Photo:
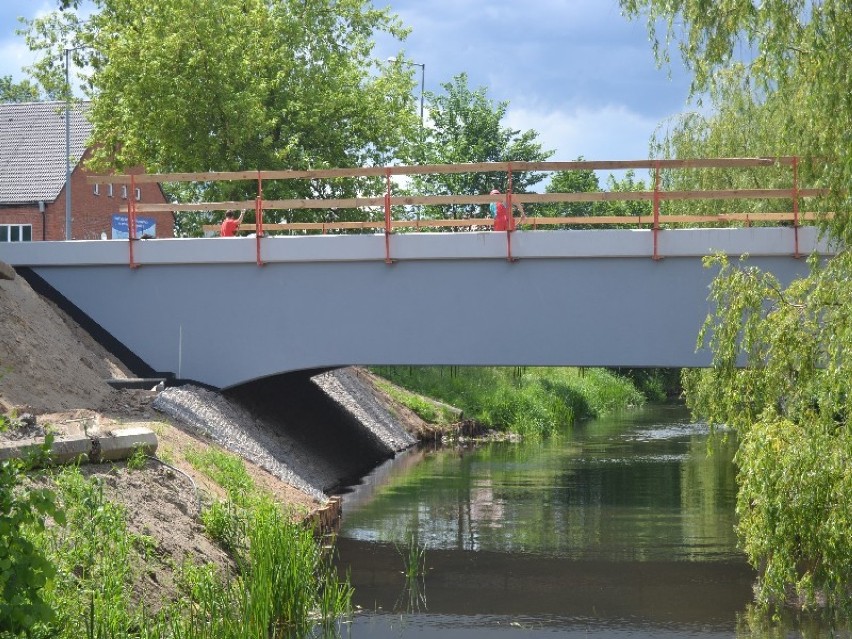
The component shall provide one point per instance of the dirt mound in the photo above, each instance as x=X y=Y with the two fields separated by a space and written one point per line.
x=48 y=363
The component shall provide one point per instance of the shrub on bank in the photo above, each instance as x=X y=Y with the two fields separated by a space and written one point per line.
x=532 y=401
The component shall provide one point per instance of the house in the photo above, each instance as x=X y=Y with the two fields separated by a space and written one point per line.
x=32 y=181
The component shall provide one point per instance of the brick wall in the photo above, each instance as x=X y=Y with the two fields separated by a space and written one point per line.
x=91 y=214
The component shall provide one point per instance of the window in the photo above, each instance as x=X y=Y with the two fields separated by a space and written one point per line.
x=109 y=190
x=16 y=232
x=97 y=189
x=123 y=191
x=138 y=193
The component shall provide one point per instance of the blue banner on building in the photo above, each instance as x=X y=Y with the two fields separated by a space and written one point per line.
x=146 y=227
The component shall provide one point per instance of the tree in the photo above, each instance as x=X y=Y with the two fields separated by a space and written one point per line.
x=627 y=208
x=466 y=127
x=24 y=91
x=790 y=406
x=796 y=63
x=583 y=181
x=203 y=85
x=586 y=181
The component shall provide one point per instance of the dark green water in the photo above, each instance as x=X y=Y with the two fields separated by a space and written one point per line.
x=622 y=528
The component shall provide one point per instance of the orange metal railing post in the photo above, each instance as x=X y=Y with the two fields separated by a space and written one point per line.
x=131 y=220
x=656 y=229
x=796 y=206
x=258 y=217
x=388 y=259
x=510 y=222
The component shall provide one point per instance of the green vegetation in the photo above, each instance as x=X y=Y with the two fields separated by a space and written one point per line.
x=413 y=555
x=777 y=76
x=428 y=410
x=533 y=402
x=25 y=569
x=413 y=596
x=11 y=91
x=791 y=414
x=75 y=576
x=287 y=587
x=468 y=127
x=586 y=181
x=138 y=459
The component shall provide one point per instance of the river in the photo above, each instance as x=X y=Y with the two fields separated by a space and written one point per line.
x=622 y=527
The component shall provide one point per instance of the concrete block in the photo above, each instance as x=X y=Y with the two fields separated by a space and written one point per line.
x=125 y=442
x=120 y=445
x=71 y=450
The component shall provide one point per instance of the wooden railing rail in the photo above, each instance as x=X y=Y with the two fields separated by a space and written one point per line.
x=474 y=167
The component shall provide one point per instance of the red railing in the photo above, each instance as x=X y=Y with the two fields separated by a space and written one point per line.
x=388 y=200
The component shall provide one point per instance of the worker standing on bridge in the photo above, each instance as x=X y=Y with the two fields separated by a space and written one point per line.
x=503 y=219
x=231 y=223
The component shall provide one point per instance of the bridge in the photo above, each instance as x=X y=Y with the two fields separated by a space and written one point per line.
x=227 y=311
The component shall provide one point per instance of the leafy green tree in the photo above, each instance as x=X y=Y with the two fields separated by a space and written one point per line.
x=467 y=127
x=790 y=406
x=582 y=181
x=204 y=85
x=24 y=91
x=791 y=410
x=627 y=208
x=586 y=181
x=788 y=61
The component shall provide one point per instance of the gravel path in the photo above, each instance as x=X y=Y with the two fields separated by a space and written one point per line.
x=270 y=446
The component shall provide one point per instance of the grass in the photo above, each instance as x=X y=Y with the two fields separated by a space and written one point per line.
x=532 y=401
x=286 y=586
x=423 y=407
x=413 y=596
x=413 y=558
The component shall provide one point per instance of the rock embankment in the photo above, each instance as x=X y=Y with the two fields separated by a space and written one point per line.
x=314 y=433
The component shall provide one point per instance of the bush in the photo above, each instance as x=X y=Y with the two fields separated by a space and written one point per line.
x=25 y=570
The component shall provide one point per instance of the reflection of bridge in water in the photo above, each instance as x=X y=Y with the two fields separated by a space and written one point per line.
x=204 y=309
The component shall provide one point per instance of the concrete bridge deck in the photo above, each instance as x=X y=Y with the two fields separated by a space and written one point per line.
x=204 y=310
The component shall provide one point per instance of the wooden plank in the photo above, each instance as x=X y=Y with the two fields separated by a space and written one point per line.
x=737 y=194
x=474 y=167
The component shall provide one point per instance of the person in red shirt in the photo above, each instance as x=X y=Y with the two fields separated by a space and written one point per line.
x=231 y=223
x=503 y=219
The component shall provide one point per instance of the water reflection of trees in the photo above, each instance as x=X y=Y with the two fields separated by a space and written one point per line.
x=630 y=500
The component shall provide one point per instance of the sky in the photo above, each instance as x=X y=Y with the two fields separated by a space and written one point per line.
x=575 y=71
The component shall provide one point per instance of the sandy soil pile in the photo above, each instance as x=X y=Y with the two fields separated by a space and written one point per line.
x=48 y=363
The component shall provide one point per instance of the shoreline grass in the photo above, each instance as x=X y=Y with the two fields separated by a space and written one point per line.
x=530 y=401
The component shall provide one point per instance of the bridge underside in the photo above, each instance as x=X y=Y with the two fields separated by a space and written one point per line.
x=203 y=310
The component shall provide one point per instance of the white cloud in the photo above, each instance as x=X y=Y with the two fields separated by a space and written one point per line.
x=14 y=55
x=613 y=132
